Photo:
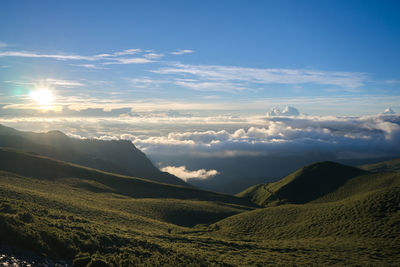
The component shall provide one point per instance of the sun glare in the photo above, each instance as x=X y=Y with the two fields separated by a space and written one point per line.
x=43 y=97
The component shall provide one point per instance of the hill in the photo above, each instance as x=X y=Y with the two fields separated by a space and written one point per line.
x=62 y=211
x=304 y=185
x=361 y=216
x=384 y=166
x=117 y=156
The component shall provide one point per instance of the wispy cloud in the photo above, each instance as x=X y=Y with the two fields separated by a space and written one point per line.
x=222 y=86
x=107 y=59
x=3 y=44
x=137 y=60
x=88 y=66
x=182 y=51
x=131 y=51
x=48 y=82
x=153 y=55
x=52 y=56
x=266 y=76
x=146 y=82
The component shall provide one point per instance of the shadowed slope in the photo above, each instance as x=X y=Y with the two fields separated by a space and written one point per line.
x=41 y=167
x=117 y=156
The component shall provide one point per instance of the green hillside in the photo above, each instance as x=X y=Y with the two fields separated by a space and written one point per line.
x=361 y=217
x=385 y=166
x=117 y=156
x=89 y=217
x=304 y=185
x=365 y=206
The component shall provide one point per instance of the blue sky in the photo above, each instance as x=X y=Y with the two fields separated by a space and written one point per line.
x=243 y=56
x=201 y=78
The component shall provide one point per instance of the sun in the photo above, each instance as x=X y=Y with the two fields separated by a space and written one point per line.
x=43 y=96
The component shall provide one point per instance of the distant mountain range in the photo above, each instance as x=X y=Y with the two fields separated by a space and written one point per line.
x=120 y=157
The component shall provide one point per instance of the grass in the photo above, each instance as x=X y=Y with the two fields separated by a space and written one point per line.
x=64 y=211
x=385 y=166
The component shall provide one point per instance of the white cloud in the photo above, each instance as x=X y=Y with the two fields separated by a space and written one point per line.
x=388 y=111
x=153 y=55
x=145 y=82
x=209 y=85
x=132 y=51
x=266 y=76
x=88 y=66
x=137 y=60
x=288 y=111
x=182 y=52
x=52 y=56
x=3 y=44
x=185 y=174
x=48 y=82
x=113 y=58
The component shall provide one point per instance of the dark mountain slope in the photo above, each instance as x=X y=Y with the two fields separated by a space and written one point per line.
x=304 y=185
x=40 y=167
x=120 y=156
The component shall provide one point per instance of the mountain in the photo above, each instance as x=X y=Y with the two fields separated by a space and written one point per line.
x=304 y=185
x=117 y=156
x=385 y=166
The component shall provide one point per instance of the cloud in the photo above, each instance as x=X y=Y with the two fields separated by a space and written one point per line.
x=153 y=55
x=288 y=111
x=182 y=52
x=52 y=56
x=209 y=86
x=185 y=174
x=137 y=60
x=48 y=82
x=388 y=111
x=108 y=59
x=88 y=66
x=373 y=135
x=146 y=82
x=266 y=76
x=3 y=44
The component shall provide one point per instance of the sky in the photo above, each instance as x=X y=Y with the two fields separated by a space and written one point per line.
x=163 y=73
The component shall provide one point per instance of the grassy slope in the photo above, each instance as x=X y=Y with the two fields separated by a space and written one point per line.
x=304 y=185
x=64 y=216
x=385 y=166
x=365 y=211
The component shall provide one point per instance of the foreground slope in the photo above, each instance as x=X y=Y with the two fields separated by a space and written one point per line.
x=362 y=216
x=118 y=156
x=63 y=211
x=304 y=185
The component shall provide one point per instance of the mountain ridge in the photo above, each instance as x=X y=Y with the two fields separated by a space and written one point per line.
x=117 y=156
